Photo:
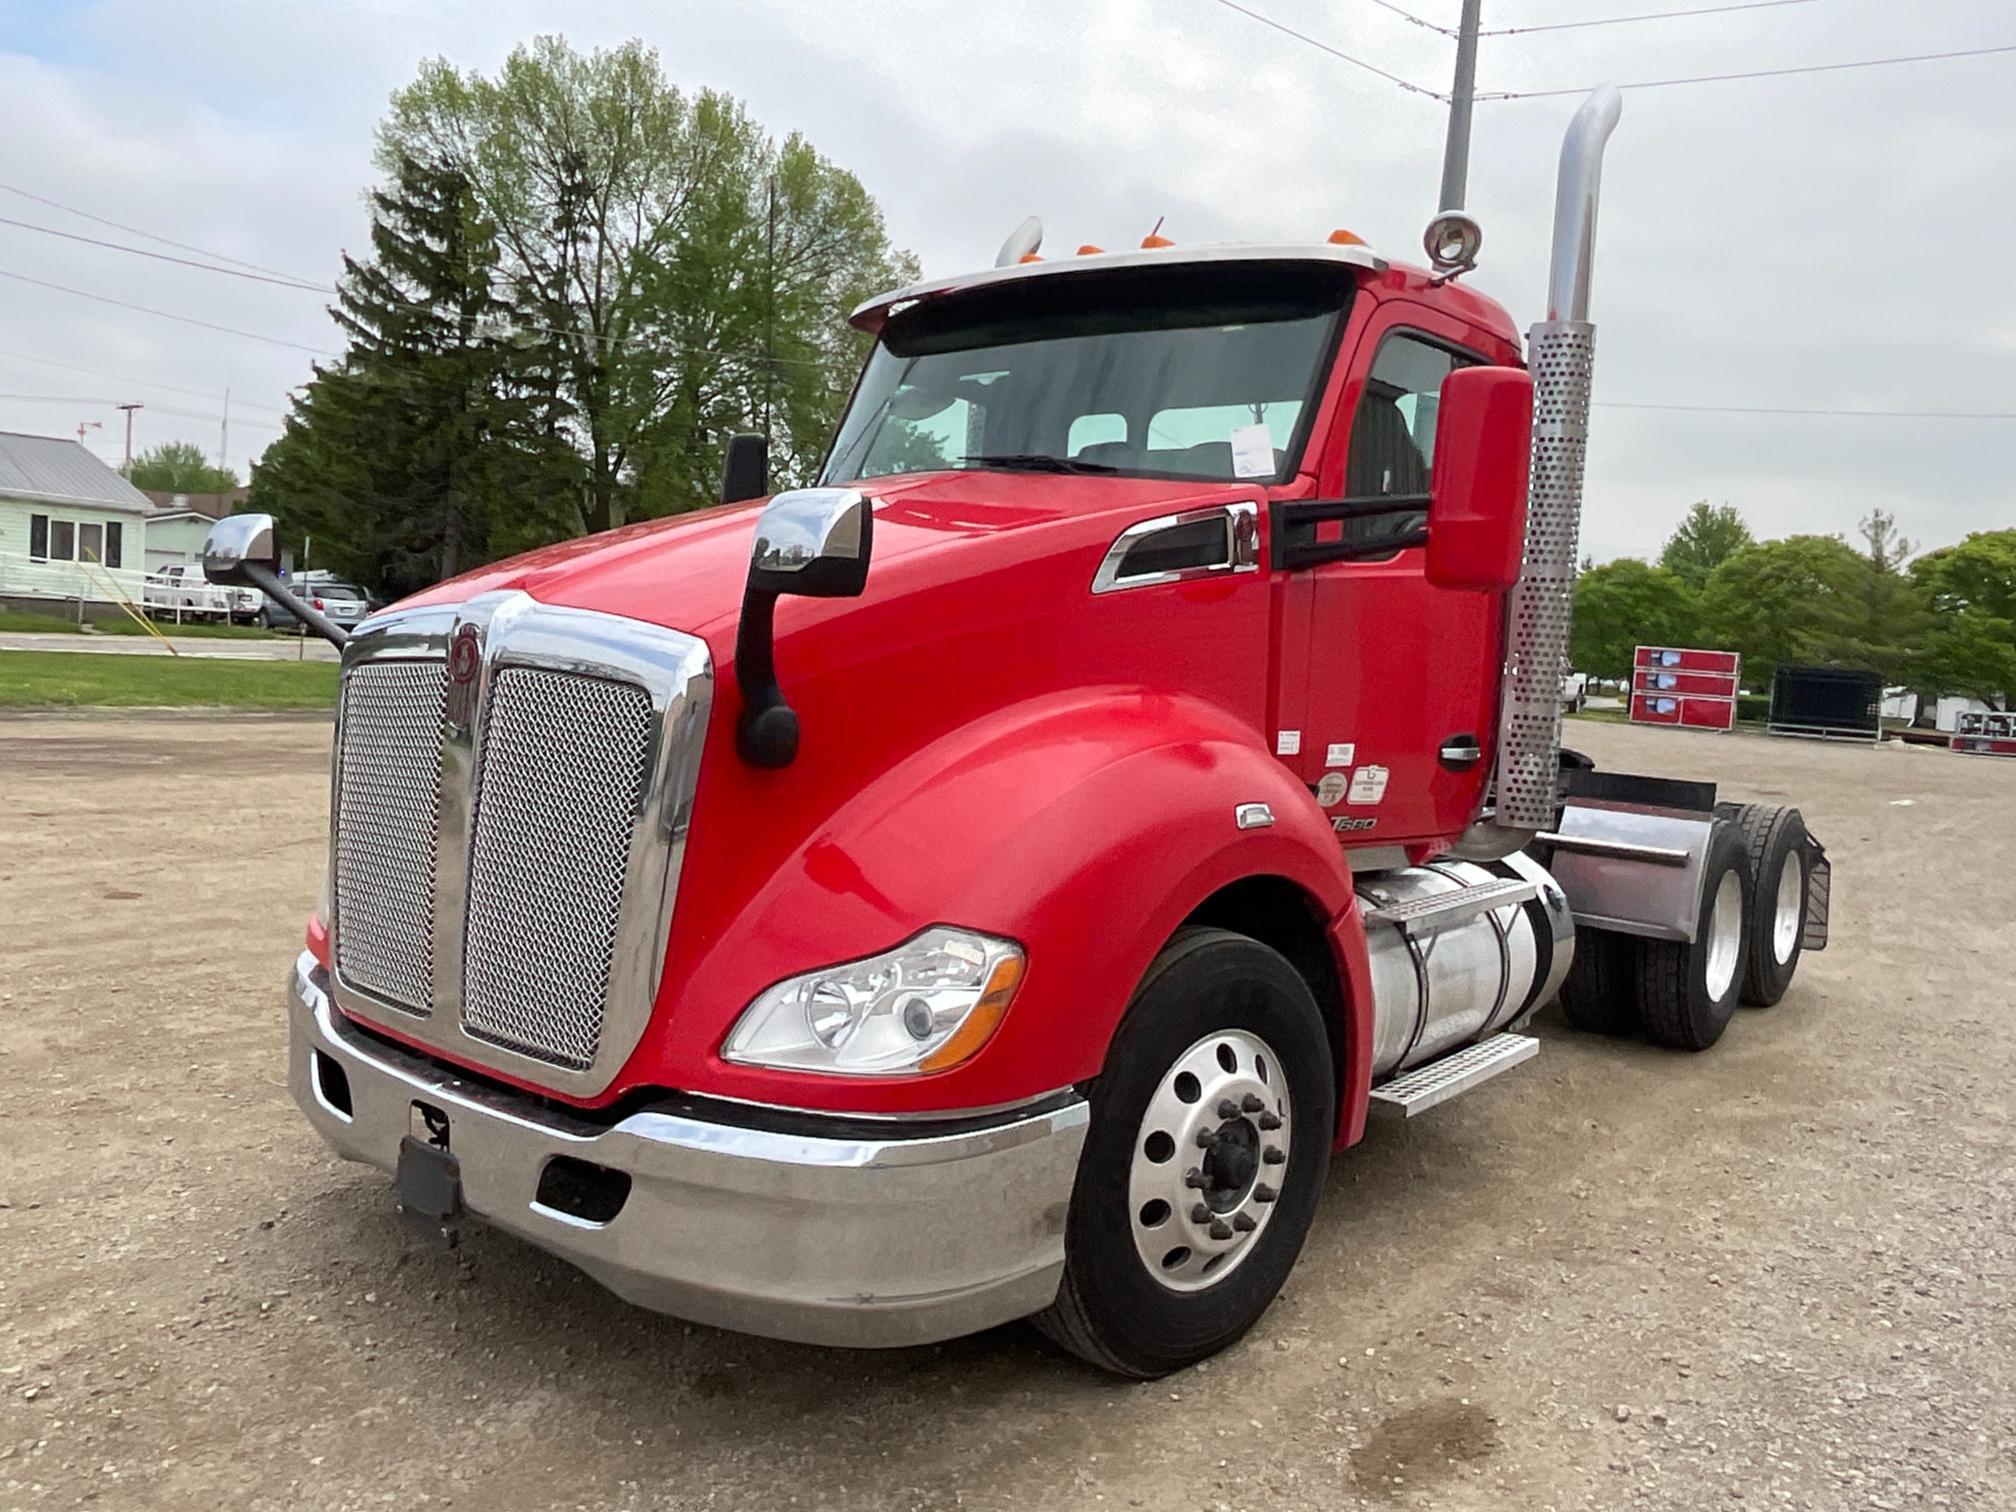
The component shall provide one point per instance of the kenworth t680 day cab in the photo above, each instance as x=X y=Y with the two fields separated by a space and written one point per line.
x=996 y=881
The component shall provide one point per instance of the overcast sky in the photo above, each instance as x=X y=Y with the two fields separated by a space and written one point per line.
x=1834 y=241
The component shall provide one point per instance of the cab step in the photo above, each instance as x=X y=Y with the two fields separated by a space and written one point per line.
x=1445 y=910
x=1451 y=1075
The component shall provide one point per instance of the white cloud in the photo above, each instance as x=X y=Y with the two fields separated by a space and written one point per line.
x=1828 y=241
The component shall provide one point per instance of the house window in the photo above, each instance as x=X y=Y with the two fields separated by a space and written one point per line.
x=91 y=542
x=38 y=537
x=62 y=540
x=115 y=543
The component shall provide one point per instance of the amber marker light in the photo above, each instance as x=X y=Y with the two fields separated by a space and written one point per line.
x=983 y=1020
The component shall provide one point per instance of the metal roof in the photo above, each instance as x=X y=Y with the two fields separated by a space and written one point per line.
x=55 y=470
x=869 y=316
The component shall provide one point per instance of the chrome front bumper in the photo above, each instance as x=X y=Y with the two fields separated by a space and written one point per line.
x=774 y=1226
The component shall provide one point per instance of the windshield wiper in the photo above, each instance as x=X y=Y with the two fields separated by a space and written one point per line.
x=1037 y=462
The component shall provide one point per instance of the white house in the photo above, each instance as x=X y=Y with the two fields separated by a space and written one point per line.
x=72 y=531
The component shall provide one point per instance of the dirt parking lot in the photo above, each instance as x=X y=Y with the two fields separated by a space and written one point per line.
x=1777 y=1274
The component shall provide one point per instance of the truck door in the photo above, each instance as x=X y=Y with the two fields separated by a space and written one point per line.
x=1389 y=709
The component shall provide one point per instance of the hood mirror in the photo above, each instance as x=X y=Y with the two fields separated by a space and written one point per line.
x=812 y=543
x=244 y=551
x=745 y=469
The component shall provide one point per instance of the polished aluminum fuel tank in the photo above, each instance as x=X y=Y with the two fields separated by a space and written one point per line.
x=1436 y=989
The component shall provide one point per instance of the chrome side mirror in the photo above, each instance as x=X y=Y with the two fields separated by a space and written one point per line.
x=237 y=540
x=244 y=550
x=811 y=542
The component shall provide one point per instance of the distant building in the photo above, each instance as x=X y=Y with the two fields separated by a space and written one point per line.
x=72 y=531
x=211 y=505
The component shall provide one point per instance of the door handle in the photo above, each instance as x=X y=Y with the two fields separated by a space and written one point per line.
x=1461 y=752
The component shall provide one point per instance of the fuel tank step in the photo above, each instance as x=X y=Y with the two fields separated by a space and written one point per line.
x=1448 y=1076
x=1445 y=910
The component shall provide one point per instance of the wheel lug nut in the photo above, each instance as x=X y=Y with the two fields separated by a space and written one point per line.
x=1227 y=1108
x=1264 y=1193
x=1205 y=1139
x=1244 y=1222
x=1221 y=1230
x=1251 y=1103
x=1273 y=1156
x=1201 y=1213
x=1270 y=1122
x=1194 y=1178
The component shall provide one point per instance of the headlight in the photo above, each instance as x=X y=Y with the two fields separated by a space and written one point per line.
x=928 y=1004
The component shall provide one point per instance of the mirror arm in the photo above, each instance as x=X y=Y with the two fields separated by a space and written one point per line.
x=268 y=582
x=767 y=733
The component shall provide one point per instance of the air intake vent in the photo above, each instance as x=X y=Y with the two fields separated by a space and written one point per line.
x=562 y=782
x=388 y=829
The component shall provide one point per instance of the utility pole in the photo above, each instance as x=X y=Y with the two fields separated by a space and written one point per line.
x=127 y=469
x=769 y=306
x=1456 y=152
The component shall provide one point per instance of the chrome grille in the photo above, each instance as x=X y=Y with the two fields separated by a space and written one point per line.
x=388 y=829
x=561 y=785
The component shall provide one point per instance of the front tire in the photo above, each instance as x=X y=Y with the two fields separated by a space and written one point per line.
x=1211 y=1132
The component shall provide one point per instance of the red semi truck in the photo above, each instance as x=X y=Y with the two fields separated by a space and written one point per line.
x=995 y=882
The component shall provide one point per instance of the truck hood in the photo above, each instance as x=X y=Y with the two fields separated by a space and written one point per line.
x=687 y=572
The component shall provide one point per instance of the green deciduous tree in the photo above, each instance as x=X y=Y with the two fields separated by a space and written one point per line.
x=1969 y=593
x=1625 y=604
x=1704 y=540
x=1799 y=599
x=682 y=274
x=180 y=467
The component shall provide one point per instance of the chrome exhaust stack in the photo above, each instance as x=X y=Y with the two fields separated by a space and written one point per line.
x=1561 y=352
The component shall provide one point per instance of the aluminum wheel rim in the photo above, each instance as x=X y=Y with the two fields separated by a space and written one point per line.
x=1725 y=935
x=1209 y=1160
x=1790 y=913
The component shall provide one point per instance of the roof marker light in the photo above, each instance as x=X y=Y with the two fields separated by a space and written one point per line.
x=1342 y=238
x=1088 y=250
x=1152 y=240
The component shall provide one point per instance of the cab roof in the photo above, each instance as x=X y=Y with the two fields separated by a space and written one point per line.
x=871 y=315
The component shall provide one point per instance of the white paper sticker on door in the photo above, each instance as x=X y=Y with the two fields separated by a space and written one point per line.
x=1341 y=755
x=1288 y=743
x=1331 y=789
x=1368 y=784
x=1253 y=451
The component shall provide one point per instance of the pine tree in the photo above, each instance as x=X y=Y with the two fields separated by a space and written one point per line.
x=433 y=445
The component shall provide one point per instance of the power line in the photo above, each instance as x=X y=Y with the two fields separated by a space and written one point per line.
x=187 y=262
x=1762 y=73
x=1859 y=414
x=1334 y=52
x=1705 y=10
x=168 y=314
x=149 y=235
x=170 y=388
x=1408 y=15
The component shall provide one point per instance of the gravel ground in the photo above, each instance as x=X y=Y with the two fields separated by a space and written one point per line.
x=1778 y=1274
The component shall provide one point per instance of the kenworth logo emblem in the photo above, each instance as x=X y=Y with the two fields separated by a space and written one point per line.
x=465 y=656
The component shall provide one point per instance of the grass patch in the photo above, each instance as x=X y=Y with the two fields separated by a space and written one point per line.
x=212 y=628
x=28 y=622
x=65 y=679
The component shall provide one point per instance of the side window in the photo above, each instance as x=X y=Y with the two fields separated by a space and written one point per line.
x=38 y=537
x=91 y=542
x=115 y=544
x=63 y=540
x=1393 y=433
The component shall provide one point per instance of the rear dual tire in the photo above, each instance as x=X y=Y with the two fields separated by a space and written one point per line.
x=1775 y=845
x=1675 y=993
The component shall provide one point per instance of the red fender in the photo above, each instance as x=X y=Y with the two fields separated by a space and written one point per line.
x=1087 y=826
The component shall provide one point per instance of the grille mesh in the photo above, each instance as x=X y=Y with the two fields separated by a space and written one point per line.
x=1529 y=739
x=561 y=786
x=388 y=829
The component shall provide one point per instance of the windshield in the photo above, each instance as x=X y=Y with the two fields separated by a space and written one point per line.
x=1207 y=373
